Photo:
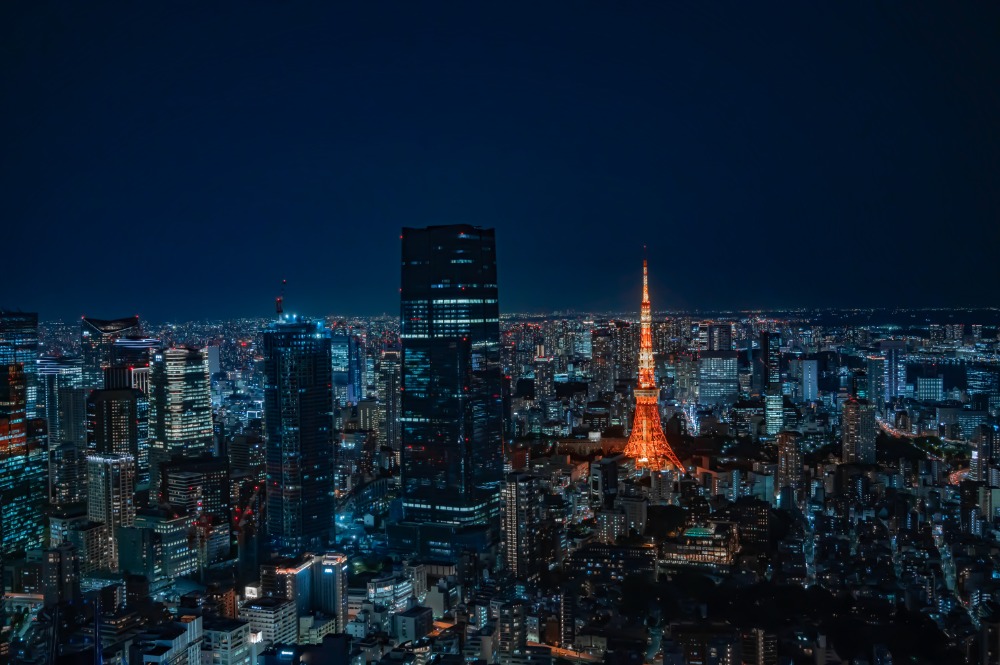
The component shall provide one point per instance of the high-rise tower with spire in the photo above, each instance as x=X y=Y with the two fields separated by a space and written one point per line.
x=647 y=443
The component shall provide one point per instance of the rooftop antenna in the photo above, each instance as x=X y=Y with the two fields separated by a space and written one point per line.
x=279 y=302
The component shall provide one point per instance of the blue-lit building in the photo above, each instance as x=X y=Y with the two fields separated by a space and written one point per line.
x=19 y=344
x=718 y=378
x=298 y=425
x=451 y=405
x=62 y=403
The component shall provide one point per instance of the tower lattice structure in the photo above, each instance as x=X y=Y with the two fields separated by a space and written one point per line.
x=647 y=443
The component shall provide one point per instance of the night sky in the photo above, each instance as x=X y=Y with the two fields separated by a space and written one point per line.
x=178 y=160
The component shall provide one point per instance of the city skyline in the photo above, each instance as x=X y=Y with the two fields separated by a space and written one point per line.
x=323 y=337
x=711 y=136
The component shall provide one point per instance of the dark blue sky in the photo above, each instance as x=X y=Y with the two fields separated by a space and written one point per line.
x=179 y=159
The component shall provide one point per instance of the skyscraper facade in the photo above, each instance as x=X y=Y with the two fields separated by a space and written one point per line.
x=770 y=358
x=111 y=495
x=452 y=411
x=774 y=412
x=299 y=433
x=118 y=422
x=719 y=337
x=389 y=384
x=858 y=432
x=894 y=352
x=62 y=402
x=97 y=340
x=602 y=364
x=810 y=379
x=522 y=516
x=789 y=460
x=19 y=344
x=22 y=467
x=180 y=408
x=61 y=397
x=330 y=587
x=877 y=369
x=718 y=378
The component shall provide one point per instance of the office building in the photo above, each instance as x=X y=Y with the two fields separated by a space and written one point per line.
x=452 y=410
x=90 y=539
x=19 y=345
x=62 y=402
x=111 y=495
x=878 y=393
x=23 y=467
x=227 y=641
x=712 y=547
x=180 y=409
x=330 y=587
x=118 y=423
x=545 y=376
x=930 y=389
x=513 y=631
x=602 y=371
x=389 y=398
x=59 y=571
x=858 y=430
x=97 y=339
x=770 y=359
x=789 y=461
x=273 y=618
x=298 y=421
x=522 y=517
x=707 y=643
x=290 y=578
x=774 y=413
x=200 y=488
x=61 y=397
x=894 y=352
x=718 y=380
x=158 y=546
x=810 y=379
x=129 y=365
x=720 y=337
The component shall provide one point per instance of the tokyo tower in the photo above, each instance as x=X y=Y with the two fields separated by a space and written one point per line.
x=647 y=443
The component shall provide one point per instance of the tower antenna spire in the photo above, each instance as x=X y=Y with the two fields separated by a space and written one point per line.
x=645 y=278
x=647 y=443
x=279 y=302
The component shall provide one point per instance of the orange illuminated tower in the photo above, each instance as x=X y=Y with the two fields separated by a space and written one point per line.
x=647 y=443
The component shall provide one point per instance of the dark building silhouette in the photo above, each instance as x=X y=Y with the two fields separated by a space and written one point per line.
x=97 y=341
x=118 y=422
x=298 y=418
x=451 y=406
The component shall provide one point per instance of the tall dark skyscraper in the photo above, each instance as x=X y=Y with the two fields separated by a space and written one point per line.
x=19 y=344
x=452 y=410
x=298 y=423
x=97 y=341
x=118 y=423
x=770 y=357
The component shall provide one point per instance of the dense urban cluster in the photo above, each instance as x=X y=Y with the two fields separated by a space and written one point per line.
x=459 y=486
